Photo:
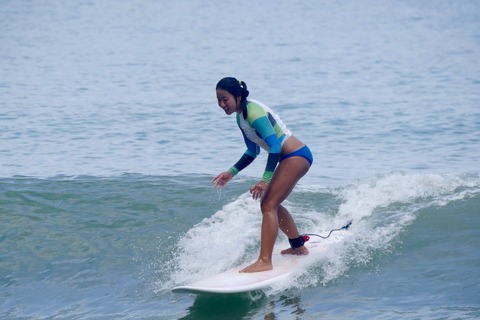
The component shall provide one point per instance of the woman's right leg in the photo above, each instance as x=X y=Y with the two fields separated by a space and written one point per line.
x=286 y=223
x=288 y=226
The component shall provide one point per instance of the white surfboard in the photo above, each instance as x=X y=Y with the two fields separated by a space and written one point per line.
x=232 y=281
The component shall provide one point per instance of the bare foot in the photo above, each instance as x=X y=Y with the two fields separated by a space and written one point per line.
x=258 y=266
x=300 y=251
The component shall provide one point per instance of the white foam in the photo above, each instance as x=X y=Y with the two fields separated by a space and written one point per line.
x=381 y=207
x=219 y=242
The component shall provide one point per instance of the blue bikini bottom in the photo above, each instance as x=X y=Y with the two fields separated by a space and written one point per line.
x=303 y=152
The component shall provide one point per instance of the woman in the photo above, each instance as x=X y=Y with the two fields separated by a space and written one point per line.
x=288 y=161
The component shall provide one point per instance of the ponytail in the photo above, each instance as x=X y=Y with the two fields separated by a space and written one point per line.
x=243 y=100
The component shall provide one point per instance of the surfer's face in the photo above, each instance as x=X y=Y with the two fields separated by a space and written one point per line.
x=227 y=102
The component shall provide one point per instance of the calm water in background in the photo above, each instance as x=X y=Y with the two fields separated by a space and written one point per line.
x=110 y=135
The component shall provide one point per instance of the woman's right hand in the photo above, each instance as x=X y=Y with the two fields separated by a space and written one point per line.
x=222 y=179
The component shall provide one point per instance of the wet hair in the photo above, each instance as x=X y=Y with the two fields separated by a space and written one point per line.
x=236 y=89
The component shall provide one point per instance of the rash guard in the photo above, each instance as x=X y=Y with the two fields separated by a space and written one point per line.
x=261 y=128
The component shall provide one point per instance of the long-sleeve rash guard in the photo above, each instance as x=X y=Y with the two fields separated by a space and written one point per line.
x=264 y=129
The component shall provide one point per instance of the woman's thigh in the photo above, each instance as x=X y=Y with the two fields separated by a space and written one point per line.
x=284 y=179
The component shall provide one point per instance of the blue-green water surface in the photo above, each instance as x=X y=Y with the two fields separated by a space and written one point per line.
x=110 y=134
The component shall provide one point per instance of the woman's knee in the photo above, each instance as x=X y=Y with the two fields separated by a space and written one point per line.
x=268 y=206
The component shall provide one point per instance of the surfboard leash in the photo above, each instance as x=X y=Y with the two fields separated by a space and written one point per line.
x=307 y=236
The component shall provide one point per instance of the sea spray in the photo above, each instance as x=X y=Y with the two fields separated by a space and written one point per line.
x=219 y=242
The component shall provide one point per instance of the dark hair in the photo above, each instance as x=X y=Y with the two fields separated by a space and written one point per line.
x=236 y=89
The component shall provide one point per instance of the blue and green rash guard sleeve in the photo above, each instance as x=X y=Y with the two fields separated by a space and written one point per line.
x=262 y=124
x=253 y=150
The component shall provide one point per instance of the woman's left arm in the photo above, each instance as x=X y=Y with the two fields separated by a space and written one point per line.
x=265 y=129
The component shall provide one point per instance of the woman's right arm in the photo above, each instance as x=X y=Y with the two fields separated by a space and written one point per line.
x=222 y=179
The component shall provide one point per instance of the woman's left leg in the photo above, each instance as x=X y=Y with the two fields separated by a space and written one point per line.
x=284 y=179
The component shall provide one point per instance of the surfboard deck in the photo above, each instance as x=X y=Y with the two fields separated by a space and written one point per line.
x=232 y=281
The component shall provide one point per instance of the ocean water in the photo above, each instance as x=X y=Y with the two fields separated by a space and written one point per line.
x=110 y=135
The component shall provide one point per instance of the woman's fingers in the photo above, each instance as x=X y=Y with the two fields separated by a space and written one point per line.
x=258 y=190
x=222 y=179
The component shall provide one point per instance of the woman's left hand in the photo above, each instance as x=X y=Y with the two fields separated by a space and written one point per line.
x=258 y=190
